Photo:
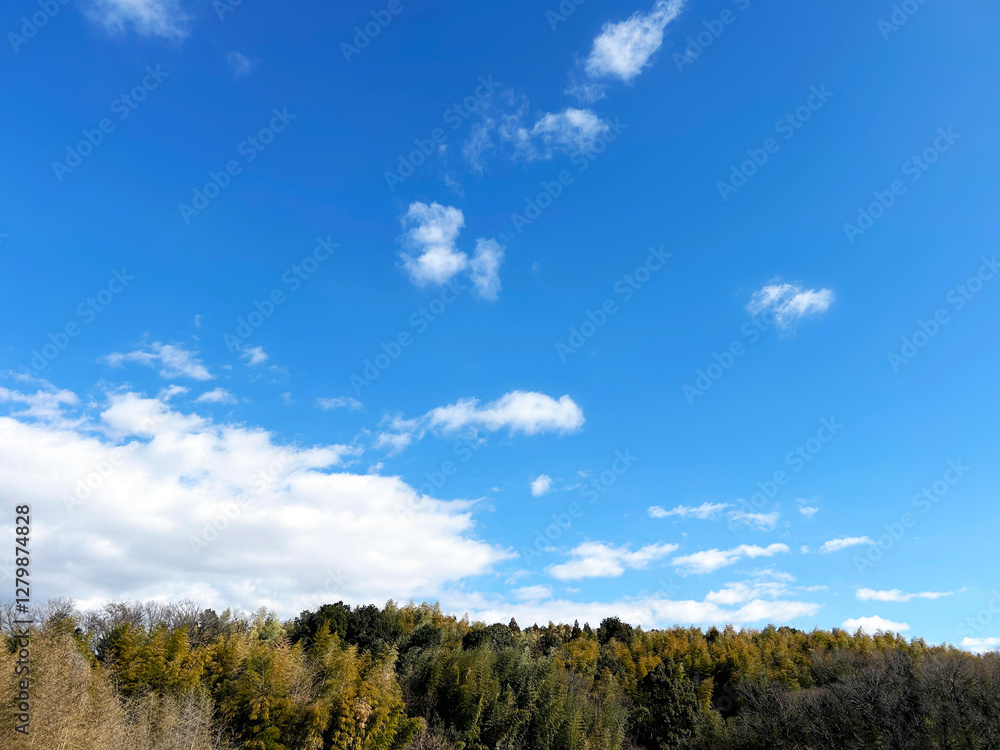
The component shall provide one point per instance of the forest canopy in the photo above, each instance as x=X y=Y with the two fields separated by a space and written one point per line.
x=167 y=677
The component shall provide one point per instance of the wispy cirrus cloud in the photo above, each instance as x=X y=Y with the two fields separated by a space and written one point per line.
x=568 y=131
x=340 y=402
x=46 y=403
x=163 y=18
x=703 y=512
x=216 y=396
x=789 y=303
x=843 y=542
x=173 y=360
x=760 y=521
x=240 y=63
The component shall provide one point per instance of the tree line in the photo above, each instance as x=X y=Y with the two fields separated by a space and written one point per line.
x=178 y=677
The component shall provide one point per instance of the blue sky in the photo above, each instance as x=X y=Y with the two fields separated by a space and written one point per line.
x=675 y=310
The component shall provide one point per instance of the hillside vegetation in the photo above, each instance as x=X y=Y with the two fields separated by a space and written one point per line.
x=159 y=677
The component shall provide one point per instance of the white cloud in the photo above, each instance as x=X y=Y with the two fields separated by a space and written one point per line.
x=766 y=584
x=895 y=595
x=571 y=131
x=341 y=402
x=873 y=625
x=216 y=396
x=162 y=18
x=47 y=403
x=541 y=485
x=587 y=92
x=286 y=398
x=174 y=361
x=703 y=511
x=485 y=268
x=393 y=442
x=480 y=141
x=807 y=510
x=516 y=576
x=980 y=645
x=432 y=256
x=240 y=63
x=647 y=611
x=789 y=303
x=431 y=232
x=524 y=412
x=197 y=321
x=532 y=593
x=254 y=355
x=292 y=525
x=599 y=560
x=623 y=49
x=760 y=521
x=843 y=542
x=711 y=560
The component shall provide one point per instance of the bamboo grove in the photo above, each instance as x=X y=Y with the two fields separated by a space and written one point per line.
x=175 y=677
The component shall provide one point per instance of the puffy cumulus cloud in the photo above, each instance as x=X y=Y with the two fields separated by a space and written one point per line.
x=623 y=49
x=432 y=233
x=541 y=485
x=571 y=131
x=703 y=512
x=647 y=612
x=137 y=499
x=789 y=303
x=981 y=645
x=711 y=560
x=873 y=625
x=599 y=560
x=254 y=355
x=765 y=584
x=432 y=255
x=162 y=18
x=843 y=542
x=174 y=361
x=896 y=595
x=524 y=412
x=216 y=396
